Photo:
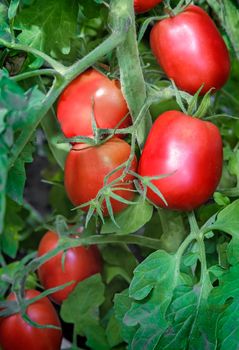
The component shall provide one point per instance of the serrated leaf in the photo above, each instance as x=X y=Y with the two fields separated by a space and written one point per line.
x=157 y=269
x=39 y=28
x=131 y=219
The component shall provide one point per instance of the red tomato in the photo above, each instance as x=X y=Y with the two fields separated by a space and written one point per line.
x=191 y=50
x=16 y=334
x=86 y=168
x=190 y=151
x=141 y=6
x=79 y=263
x=91 y=91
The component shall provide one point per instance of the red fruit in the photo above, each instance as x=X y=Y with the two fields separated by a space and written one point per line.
x=79 y=263
x=91 y=92
x=141 y=6
x=189 y=150
x=191 y=50
x=86 y=167
x=16 y=334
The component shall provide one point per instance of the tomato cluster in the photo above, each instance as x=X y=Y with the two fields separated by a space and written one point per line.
x=183 y=151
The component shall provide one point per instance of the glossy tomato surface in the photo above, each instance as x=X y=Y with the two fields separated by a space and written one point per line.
x=86 y=168
x=189 y=150
x=79 y=263
x=141 y=6
x=91 y=92
x=16 y=334
x=191 y=51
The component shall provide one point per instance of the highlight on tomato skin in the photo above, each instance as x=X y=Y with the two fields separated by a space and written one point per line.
x=141 y=6
x=86 y=167
x=92 y=92
x=191 y=50
x=16 y=334
x=189 y=151
x=79 y=263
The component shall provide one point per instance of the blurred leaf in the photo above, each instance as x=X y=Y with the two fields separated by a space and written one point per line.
x=17 y=110
x=228 y=13
x=119 y=261
x=17 y=175
x=113 y=332
x=82 y=309
x=13 y=224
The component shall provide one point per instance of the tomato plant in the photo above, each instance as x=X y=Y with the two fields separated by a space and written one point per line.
x=92 y=92
x=141 y=6
x=78 y=264
x=15 y=333
x=180 y=147
x=81 y=83
x=191 y=50
x=86 y=168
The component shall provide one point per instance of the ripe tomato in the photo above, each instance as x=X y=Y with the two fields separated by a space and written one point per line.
x=79 y=263
x=91 y=91
x=141 y=6
x=86 y=168
x=191 y=50
x=16 y=334
x=190 y=151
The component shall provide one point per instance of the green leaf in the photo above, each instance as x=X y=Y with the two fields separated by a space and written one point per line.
x=228 y=14
x=225 y=300
x=131 y=219
x=119 y=261
x=158 y=269
x=113 y=332
x=39 y=28
x=82 y=309
x=17 y=175
x=227 y=219
x=9 y=240
x=122 y=304
x=5 y=33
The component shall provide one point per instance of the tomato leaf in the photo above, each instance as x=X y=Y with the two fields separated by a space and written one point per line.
x=39 y=28
x=227 y=12
x=130 y=219
x=82 y=309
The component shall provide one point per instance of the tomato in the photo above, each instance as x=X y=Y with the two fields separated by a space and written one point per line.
x=79 y=263
x=16 y=334
x=191 y=50
x=141 y=6
x=91 y=91
x=86 y=168
x=189 y=151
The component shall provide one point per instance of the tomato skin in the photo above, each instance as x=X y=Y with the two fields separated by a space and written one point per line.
x=190 y=151
x=86 y=168
x=89 y=90
x=141 y=6
x=80 y=263
x=191 y=51
x=16 y=334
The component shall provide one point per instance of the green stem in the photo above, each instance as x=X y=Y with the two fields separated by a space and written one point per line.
x=193 y=222
x=26 y=134
x=35 y=73
x=131 y=76
x=108 y=45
